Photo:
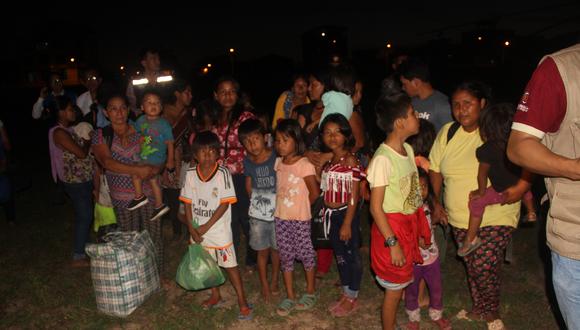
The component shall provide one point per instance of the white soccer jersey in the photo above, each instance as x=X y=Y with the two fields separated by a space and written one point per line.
x=204 y=195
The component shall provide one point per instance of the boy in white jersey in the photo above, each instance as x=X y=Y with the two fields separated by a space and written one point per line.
x=208 y=192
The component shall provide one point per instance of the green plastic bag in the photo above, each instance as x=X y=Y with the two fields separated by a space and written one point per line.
x=197 y=270
x=104 y=216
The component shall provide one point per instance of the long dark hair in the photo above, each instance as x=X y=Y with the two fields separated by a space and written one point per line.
x=495 y=124
x=423 y=141
x=291 y=127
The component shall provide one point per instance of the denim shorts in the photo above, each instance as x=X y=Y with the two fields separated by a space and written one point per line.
x=392 y=286
x=262 y=234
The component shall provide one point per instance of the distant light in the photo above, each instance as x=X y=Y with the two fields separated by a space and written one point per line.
x=209 y=65
x=72 y=59
x=205 y=70
x=479 y=38
x=335 y=59
x=232 y=50
x=507 y=43
x=323 y=34
x=164 y=78
x=138 y=72
x=122 y=68
x=389 y=45
x=142 y=81
x=334 y=41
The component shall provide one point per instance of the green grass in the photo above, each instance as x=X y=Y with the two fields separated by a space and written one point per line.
x=39 y=290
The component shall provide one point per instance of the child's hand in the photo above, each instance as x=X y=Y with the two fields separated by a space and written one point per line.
x=422 y=243
x=195 y=236
x=345 y=232
x=475 y=194
x=512 y=195
x=397 y=256
x=439 y=214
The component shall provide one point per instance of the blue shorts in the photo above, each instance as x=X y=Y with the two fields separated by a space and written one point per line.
x=392 y=286
x=262 y=234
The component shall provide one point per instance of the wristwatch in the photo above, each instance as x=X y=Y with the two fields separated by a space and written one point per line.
x=391 y=241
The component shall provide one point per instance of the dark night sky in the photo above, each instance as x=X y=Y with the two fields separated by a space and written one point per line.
x=193 y=33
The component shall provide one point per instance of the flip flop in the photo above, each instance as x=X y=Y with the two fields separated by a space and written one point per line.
x=246 y=313
x=209 y=304
x=307 y=301
x=472 y=247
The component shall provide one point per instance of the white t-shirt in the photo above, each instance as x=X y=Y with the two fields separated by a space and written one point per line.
x=205 y=195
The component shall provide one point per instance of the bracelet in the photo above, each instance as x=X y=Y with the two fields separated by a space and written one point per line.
x=391 y=241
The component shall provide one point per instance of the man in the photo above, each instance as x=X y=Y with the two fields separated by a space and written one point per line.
x=88 y=101
x=430 y=104
x=150 y=77
x=48 y=94
x=545 y=139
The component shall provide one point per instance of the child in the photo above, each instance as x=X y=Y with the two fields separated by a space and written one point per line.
x=208 y=192
x=296 y=190
x=340 y=182
x=156 y=149
x=261 y=187
x=505 y=177
x=395 y=198
x=430 y=271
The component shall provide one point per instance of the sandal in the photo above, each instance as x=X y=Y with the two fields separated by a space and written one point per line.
x=496 y=324
x=209 y=304
x=246 y=313
x=470 y=248
x=469 y=316
x=307 y=301
x=285 y=307
x=340 y=311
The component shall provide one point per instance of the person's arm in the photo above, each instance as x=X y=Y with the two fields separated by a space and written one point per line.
x=516 y=192
x=358 y=131
x=189 y=223
x=317 y=158
x=345 y=232
x=439 y=213
x=482 y=175
x=376 y=208
x=170 y=155
x=527 y=151
x=214 y=218
x=38 y=106
x=313 y=188
x=64 y=141
x=249 y=185
x=103 y=156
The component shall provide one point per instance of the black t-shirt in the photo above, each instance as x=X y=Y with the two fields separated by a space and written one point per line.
x=502 y=172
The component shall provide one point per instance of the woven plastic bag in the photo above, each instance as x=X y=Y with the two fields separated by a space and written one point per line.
x=124 y=271
x=197 y=270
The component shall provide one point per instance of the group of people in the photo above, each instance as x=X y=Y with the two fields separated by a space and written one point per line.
x=220 y=169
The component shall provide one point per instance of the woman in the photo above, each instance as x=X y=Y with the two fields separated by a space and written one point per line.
x=116 y=148
x=72 y=166
x=230 y=115
x=454 y=165
x=290 y=99
x=178 y=113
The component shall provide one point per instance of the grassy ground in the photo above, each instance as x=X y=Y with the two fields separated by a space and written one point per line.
x=38 y=289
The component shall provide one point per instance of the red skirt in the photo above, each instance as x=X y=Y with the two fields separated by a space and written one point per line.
x=407 y=228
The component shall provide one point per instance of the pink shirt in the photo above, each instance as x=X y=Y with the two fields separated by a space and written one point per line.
x=292 y=202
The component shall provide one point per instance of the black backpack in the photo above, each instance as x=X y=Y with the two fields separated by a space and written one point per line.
x=450 y=133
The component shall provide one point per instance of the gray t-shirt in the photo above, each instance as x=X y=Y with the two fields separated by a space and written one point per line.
x=435 y=109
x=263 y=199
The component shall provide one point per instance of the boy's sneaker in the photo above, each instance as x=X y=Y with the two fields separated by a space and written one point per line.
x=137 y=203
x=158 y=212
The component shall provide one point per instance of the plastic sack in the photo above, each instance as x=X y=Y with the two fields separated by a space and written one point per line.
x=197 y=270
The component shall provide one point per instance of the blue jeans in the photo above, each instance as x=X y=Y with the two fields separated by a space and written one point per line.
x=81 y=195
x=348 y=259
x=566 y=279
